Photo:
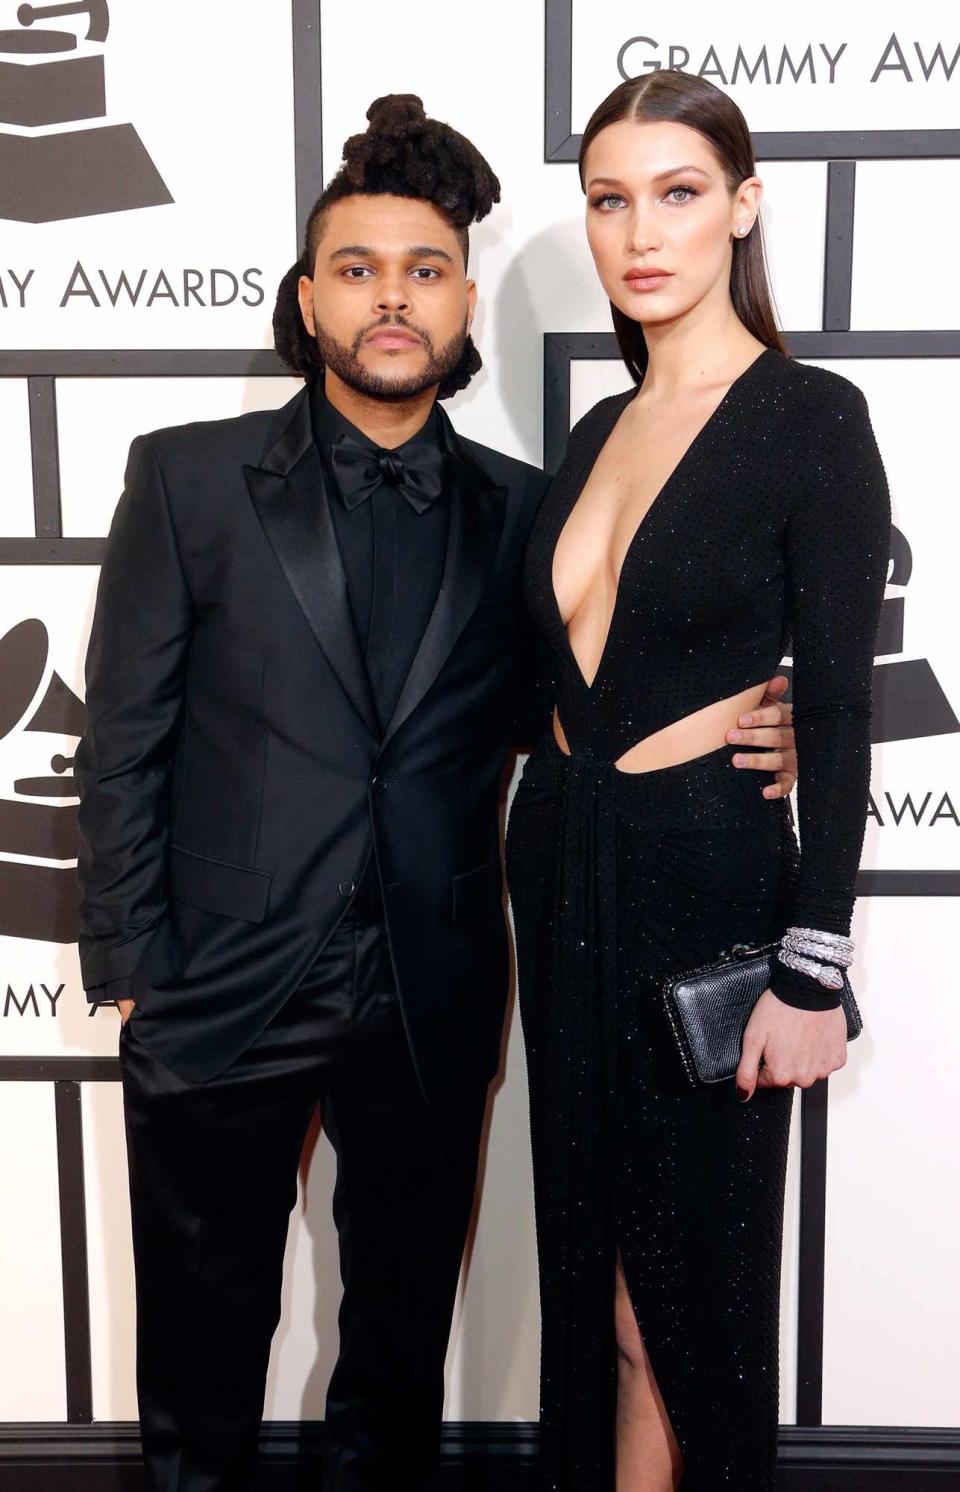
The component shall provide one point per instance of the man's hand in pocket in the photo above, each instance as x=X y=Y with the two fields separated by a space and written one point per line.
x=125 y=1007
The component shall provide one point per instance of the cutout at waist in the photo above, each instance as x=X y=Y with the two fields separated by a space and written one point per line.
x=702 y=790
x=683 y=740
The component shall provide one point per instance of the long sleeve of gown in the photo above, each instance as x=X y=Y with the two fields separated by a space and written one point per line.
x=838 y=545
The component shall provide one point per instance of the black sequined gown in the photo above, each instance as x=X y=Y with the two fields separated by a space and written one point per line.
x=770 y=537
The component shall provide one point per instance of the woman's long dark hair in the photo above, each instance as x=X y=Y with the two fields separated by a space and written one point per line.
x=684 y=98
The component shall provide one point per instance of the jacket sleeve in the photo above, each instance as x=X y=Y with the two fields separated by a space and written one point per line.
x=838 y=547
x=135 y=668
x=535 y=669
x=113 y=989
x=537 y=687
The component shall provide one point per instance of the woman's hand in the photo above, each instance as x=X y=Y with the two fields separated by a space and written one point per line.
x=770 y=725
x=798 y=1047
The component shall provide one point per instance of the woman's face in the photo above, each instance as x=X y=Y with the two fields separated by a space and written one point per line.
x=657 y=200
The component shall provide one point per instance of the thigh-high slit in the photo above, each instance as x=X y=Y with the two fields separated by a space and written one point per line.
x=618 y=880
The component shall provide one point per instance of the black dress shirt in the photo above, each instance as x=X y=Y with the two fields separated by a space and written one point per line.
x=407 y=568
x=412 y=551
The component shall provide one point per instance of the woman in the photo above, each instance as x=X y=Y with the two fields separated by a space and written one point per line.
x=729 y=510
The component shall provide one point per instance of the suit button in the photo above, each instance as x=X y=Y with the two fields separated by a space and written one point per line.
x=347 y=888
x=380 y=783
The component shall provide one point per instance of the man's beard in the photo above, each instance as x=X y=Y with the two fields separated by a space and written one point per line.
x=345 y=361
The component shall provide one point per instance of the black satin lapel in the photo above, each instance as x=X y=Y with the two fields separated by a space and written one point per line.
x=477 y=508
x=289 y=497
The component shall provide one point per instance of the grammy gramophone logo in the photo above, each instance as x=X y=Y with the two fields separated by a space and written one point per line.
x=908 y=699
x=59 y=158
x=38 y=796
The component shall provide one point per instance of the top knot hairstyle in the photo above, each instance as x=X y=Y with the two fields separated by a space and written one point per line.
x=403 y=154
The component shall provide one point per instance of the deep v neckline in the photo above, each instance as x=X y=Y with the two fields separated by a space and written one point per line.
x=668 y=482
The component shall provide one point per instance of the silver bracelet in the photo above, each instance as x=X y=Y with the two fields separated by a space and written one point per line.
x=819 y=935
x=815 y=952
x=832 y=948
x=825 y=974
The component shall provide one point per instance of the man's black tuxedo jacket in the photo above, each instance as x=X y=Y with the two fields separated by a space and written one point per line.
x=232 y=777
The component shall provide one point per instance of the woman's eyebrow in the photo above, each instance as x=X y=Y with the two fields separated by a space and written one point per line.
x=673 y=171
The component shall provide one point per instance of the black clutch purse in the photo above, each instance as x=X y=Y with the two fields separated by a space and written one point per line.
x=708 y=1009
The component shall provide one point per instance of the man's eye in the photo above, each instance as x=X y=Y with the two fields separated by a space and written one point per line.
x=358 y=271
x=426 y=271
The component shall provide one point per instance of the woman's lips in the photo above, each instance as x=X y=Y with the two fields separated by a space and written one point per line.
x=649 y=281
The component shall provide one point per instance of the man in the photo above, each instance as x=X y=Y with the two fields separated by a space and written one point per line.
x=302 y=682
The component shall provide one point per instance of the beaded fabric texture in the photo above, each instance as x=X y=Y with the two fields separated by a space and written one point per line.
x=770 y=536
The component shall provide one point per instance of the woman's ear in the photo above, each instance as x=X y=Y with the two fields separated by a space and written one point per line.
x=747 y=206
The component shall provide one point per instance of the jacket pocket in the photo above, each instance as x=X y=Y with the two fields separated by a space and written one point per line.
x=217 y=886
x=477 y=895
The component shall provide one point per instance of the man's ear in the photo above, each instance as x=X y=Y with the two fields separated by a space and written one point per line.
x=471 y=302
x=305 y=297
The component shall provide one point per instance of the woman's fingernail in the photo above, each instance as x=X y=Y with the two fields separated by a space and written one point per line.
x=739 y=760
x=745 y=719
x=742 y=1094
x=733 y=735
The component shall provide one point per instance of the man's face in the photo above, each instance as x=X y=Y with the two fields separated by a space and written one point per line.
x=389 y=303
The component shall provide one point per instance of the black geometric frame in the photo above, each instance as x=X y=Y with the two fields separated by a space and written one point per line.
x=811 y=1454
x=42 y=368
x=561 y=144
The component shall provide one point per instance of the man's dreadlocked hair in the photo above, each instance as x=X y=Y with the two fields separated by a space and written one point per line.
x=405 y=154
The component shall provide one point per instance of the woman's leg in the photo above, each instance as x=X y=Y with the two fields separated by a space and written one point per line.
x=648 y=1456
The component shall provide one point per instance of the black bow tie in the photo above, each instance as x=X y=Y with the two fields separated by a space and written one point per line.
x=360 y=470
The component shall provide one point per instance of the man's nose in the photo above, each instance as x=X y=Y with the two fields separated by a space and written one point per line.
x=393 y=295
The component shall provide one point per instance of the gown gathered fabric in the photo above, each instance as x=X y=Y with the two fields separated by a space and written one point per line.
x=770 y=538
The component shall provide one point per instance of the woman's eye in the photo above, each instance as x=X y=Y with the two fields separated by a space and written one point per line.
x=689 y=191
x=607 y=197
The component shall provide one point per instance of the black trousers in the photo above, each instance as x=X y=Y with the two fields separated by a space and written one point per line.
x=213 y=1178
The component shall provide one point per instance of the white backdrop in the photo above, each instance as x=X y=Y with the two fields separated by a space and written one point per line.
x=209 y=91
